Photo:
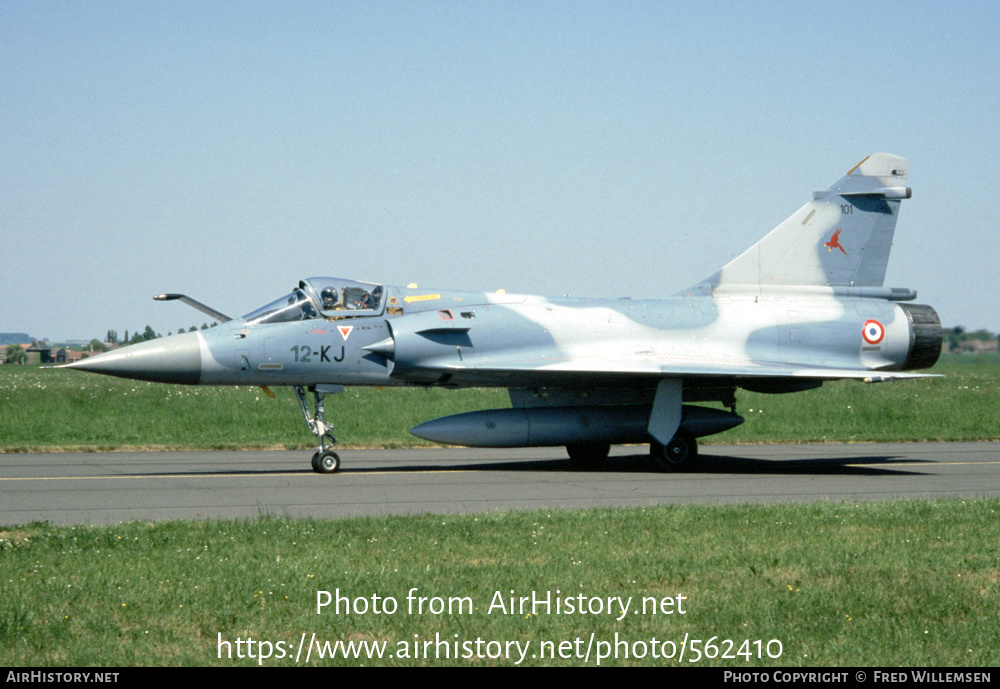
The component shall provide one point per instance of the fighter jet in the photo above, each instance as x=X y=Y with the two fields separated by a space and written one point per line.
x=804 y=305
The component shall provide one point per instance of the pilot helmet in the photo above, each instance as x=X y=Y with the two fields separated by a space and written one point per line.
x=329 y=297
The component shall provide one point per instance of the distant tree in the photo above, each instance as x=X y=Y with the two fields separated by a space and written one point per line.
x=148 y=334
x=192 y=329
x=96 y=346
x=959 y=339
x=111 y=337
x=16 y=354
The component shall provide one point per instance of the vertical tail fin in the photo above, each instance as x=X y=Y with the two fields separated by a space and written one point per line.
x=840 y=238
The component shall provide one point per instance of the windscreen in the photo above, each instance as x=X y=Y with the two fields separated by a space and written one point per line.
x=293 y=307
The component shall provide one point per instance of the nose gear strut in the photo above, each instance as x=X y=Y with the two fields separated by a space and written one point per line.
x=324 y=460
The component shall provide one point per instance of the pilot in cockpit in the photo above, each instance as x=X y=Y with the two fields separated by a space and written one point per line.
x=329 y=298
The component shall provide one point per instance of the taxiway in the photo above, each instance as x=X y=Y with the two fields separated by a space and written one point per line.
x=111 y=487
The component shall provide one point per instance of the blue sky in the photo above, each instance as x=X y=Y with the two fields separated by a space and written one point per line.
x=226 y=150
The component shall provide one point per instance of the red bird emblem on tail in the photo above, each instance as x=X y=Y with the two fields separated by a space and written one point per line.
x=834 y=243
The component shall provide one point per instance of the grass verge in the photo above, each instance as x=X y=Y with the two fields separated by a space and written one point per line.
x=51 y=410
x=911 y=583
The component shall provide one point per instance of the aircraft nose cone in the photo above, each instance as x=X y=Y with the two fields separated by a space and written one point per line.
x=173 y=359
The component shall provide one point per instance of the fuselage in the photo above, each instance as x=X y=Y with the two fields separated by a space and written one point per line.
x=459 y=339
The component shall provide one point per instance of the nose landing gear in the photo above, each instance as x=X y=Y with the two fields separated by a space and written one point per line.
x=324 y=460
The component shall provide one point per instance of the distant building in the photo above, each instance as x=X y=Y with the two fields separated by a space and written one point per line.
x=39 y=352
x=68 y=356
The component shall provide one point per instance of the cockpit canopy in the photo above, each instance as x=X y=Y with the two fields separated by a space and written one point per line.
x=322 y=297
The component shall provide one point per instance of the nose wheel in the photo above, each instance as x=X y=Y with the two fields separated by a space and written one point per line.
x=324 y=460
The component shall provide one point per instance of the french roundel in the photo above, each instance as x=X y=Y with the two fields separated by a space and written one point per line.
x=873 y=332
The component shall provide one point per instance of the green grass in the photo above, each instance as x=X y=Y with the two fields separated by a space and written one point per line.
x=49 y=410
x=903 y=583
x=69 y=410
x=962 y=405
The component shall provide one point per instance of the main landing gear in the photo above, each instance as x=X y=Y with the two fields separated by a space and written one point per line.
x=324 y=460
x=680 y=454
x=677 y=455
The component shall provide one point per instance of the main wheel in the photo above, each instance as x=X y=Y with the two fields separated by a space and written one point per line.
x=588 y=455
x=677 y=455
x=326 y=462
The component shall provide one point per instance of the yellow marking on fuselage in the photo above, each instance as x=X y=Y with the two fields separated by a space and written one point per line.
x=421 y=297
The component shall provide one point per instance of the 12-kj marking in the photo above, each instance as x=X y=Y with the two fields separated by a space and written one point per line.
x=304 y=354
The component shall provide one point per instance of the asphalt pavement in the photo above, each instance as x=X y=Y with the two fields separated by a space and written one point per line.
x=111 y=487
